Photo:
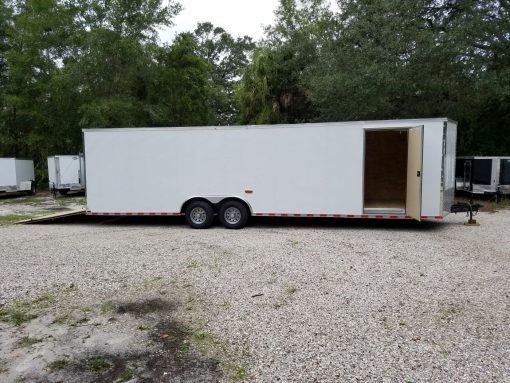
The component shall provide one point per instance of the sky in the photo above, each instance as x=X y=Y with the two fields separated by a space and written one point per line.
x=238 y=17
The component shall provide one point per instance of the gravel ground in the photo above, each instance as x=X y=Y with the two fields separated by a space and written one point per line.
x=282 y=300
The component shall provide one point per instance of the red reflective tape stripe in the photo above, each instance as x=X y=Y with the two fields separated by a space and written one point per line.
x=140 y=213
x=284 y=215
x=439 y=217
x=117 y=214
x=336 y=215
x=152 y=213
x=129 y=214
x=259 y=214
x=365 y=216
x=379 y=216
x=309 y=215
x=296 y=215
x=94 y=213
x=351 y=216
x=394 y=217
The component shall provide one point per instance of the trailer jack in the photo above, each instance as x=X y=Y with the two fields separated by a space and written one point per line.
x=470 y=209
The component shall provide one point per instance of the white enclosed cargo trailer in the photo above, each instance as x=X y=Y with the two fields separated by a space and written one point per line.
x=16 y=175
x=399 y=169
x=66 y=173
x=483 y=175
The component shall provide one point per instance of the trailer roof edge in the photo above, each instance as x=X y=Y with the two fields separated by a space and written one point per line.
x=267 y=126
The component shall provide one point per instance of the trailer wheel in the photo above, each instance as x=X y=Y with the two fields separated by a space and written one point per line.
x=199 y=215
x=233 y=215
x=63 y=191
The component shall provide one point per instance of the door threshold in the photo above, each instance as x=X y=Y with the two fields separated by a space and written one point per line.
x=386 y=210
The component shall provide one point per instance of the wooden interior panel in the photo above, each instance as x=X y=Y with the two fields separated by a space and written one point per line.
x=385 y=169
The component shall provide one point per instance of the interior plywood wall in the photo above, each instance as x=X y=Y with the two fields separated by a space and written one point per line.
x=385 y=168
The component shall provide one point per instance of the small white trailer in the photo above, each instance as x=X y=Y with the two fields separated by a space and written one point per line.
x=397 y=169
x=483 y=175
x=66 y=173
x=17 y=175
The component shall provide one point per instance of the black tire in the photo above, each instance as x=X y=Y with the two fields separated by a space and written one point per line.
x=199 y=215
x=33 y=188
x=233 y=215
x=63 y=191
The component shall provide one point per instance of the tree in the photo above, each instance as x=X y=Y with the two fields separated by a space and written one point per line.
x=180 y=90
x=291 y=47
x=227 y=56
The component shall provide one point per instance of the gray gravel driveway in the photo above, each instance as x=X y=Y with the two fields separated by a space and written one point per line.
x=280 y=300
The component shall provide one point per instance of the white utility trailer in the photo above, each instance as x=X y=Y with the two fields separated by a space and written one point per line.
x=66 y=173
x=398 y=169
x=17 y=175
x=483 y=175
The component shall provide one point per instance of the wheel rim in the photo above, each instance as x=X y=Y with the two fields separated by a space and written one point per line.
x=232 y=215
x=198 y=215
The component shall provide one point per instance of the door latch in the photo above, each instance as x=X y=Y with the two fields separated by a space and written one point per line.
x=418 y=174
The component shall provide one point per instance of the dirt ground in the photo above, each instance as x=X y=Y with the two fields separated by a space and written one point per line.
x=291 y=300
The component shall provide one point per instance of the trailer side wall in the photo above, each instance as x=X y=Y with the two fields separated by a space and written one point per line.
x=297 y=169
x=8 y=172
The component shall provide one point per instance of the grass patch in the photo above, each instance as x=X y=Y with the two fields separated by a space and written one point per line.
x=27 y=341
x=15 y=316
x=58 y=364
x=11 y=219
x=97 y=363
x=192 y=265
x=22 y=311
x=26 y=200
x=80 y=321
x=44 y=301
x=60 y=320
x=291 y=290
x=210 y=346
x=126 y=375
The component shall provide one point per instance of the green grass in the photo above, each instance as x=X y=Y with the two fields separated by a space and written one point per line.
x=24 y=311
x=15 y=316
x=26 y=200
x=44 y=301
x=126 y=375
x=60 y=320
x=58 y=364
x=291 y=290
x=97 y=363
x=11 y=219
x=210 y=346
x=236 y=372
x=27 y=341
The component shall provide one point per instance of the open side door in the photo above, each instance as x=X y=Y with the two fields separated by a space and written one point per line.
x=414 y=172
x=57 y=172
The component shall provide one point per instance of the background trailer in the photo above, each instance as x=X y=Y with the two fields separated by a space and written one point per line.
x=16 y=175
x=400 y=169
x=66 y=173
x=483 y=175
